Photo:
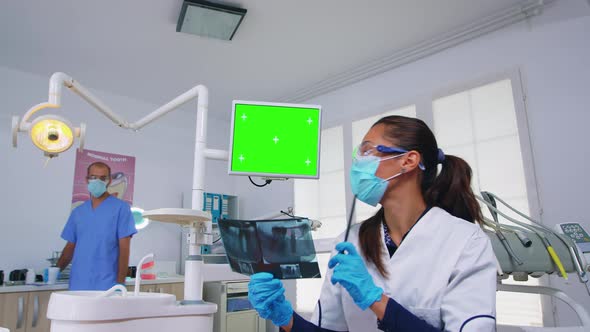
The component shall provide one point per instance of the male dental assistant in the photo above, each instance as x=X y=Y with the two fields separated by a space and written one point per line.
x=98 y=235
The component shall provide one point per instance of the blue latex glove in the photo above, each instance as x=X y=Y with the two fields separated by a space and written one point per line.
x=266 y=294
x=350 y=272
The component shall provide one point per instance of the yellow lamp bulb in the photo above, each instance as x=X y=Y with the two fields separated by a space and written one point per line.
x=52 y=133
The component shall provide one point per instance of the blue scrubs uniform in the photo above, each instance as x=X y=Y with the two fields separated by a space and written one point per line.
x=96 y=233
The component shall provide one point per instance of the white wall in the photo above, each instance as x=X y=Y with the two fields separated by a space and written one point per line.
x=553 y=53
x=35 y=200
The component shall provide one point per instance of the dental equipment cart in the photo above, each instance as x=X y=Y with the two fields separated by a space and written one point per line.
x=235 y=313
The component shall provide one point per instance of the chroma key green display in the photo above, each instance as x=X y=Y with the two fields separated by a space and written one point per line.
x=275 y=140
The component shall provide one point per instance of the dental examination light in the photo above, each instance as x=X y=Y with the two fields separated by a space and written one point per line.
x=50 y=133
x=54 y=135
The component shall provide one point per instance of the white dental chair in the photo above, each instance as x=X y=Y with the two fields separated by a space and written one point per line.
x=582 y=313
x=533 y=262
x=540 y=329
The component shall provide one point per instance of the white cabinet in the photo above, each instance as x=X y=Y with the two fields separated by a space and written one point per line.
x=234 y=311
x=244 y=321
x=37 y=320
x=157 y=288
x=13 y=308
x=176 y=288
x=25 y=311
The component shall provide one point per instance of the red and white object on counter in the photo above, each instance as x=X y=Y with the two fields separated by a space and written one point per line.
x=145 y=271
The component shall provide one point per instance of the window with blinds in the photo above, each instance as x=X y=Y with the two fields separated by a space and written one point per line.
x=480 y=126
x=324 y=200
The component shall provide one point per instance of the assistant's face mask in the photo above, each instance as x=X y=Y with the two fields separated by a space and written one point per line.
x=366 y=186
x=97 y=187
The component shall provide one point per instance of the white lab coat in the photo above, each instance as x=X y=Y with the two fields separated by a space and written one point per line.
x=444 y=272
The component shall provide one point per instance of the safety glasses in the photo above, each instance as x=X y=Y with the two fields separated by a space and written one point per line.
x=368 y=149
x=380 y=151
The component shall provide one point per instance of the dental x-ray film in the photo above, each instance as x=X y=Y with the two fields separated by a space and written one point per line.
x=282 y=247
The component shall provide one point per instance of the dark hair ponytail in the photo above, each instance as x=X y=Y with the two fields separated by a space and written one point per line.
x=450 y=190
x=370 y=242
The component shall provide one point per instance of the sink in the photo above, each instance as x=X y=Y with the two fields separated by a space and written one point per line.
x=92 y=311
x=87 y=305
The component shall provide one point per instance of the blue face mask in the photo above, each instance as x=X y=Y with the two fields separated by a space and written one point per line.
x=97 y=187
x=366 y=186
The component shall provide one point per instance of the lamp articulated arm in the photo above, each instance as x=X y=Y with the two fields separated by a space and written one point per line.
x=59 y=80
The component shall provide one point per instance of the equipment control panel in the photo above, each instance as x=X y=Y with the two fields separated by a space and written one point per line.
x=579 y=236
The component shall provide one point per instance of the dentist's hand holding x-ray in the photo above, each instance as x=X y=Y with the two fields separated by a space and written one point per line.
x=421 y=263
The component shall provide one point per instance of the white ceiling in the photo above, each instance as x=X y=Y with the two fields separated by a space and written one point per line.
x=131 y=47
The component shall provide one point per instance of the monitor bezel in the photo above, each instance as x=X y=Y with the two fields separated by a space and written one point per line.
x=273 y=175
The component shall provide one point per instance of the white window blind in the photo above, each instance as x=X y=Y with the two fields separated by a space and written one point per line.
x=480 y=126
x=359 y=129
x=324 y=200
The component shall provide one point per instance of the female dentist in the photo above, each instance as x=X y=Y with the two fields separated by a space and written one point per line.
x=421 y=263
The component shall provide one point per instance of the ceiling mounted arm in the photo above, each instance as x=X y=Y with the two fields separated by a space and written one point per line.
x=59 y=80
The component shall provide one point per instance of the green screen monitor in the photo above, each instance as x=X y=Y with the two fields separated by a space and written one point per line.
x=275 y=140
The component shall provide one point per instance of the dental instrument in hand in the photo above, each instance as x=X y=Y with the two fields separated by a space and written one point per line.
x=350 y=219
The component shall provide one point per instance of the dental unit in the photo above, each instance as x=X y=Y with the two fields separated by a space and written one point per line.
x=53 y=135
x=524 y=249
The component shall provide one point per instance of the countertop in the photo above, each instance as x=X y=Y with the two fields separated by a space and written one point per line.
x=211 y=272
x=63 y=285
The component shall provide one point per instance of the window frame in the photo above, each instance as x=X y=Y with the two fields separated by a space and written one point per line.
x=526 y=146
x=516 y=77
